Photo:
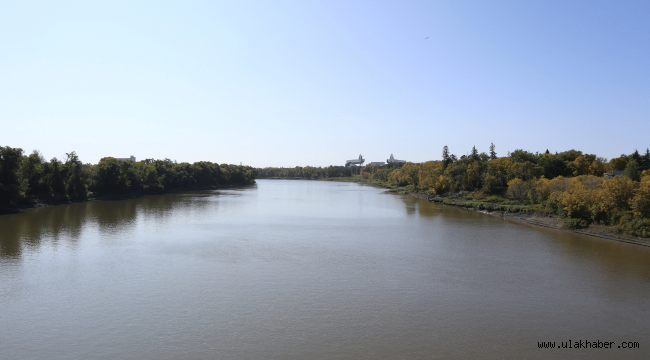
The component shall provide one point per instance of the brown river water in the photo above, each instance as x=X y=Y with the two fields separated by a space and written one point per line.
x=310 y=270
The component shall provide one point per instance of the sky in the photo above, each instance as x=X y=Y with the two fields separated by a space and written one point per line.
x=296 y=83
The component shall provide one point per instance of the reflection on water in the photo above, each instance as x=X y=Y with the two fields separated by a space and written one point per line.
x=615 y=259
x=29 y=227
x=308 y=269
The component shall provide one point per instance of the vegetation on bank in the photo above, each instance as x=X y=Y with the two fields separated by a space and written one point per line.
x=27 y=179
x=570 y=184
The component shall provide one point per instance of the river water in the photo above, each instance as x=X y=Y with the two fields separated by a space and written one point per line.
x=309 y=270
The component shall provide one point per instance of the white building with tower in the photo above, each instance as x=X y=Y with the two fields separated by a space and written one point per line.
x=392 y=160
x=355 y=162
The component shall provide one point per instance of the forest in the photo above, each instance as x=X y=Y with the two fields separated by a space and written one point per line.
x=27 y=179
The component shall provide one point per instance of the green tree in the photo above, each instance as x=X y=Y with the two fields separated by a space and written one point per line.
x=522 y=156
x=493 y=154
x=56 y=180
x=445 y=155
x=109 y=178
x=33 y=171
x=645 y=160
x=632 y=170
x=474 y=154
x=75 y=179
x=10 y=184
x=569 y=155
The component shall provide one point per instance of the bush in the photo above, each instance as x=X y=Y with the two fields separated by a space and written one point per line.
x=572 y=223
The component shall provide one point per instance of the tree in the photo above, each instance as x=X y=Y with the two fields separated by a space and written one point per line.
x=616 y=193
x=525 y=171
x=579 y=166
x=645 y=160
x=57 y=182
x=109 y=179
x=473 y=176
x=522 y=156
x=10 y=185
x=428 y=174
x=150 y=180
x=493 y=154
x=641 y=202
x=597 y=167
x=632 y=170
x=618 y=163
x=33 y=172
x=412 y=173
x=517 y=189
x=554 y=166
x=474 y=154
x=75 y=186
x=569 y=155
x=490 y=184
x=445 y=154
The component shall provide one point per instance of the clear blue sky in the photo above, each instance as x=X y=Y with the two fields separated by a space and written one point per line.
x=286 y=83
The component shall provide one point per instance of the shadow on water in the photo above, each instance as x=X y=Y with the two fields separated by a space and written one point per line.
x=29 y=228
x=423 y=208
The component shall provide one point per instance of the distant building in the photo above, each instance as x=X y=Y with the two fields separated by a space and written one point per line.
x=355 y=162
x=132 y=159
x=377 y=163
x=392 y=160
x=613 y=173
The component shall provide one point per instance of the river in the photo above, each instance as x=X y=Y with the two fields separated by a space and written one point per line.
x=310 y=270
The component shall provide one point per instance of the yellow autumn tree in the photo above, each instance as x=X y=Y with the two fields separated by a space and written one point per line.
x=578 y=201
x=579 y=166
x=398 y=177
x=616 y=193
x=428 y=174
x=473 y=175
x=500 y=166
x=618 y=163
x=412 y=173
x=640 y=204
x=517 y=189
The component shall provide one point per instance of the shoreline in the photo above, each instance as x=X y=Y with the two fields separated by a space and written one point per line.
x=6 y=210
x=550 y=222
x=522 y=217
x=529 y=218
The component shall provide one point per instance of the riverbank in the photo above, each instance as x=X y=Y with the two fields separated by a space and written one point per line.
x=56 y=201
x=539 y=219
x=527 y=214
